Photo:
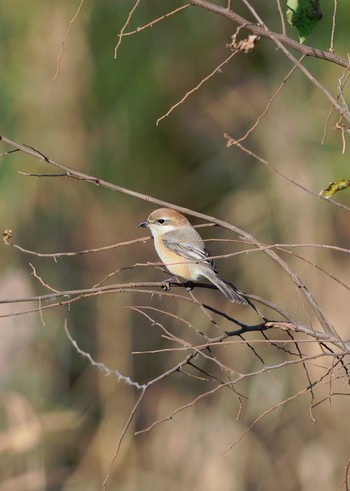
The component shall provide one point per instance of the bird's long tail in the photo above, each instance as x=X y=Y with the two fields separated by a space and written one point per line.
x=227 y=288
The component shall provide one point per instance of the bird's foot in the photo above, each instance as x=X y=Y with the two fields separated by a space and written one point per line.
x=166 y=284
x=189 y=285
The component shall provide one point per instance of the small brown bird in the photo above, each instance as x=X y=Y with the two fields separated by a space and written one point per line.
x=182 y=251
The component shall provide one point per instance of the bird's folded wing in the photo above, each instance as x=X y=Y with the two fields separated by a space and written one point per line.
x=190 y=252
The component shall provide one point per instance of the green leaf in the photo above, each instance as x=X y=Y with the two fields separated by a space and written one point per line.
x=304 y=16
x=334 y=187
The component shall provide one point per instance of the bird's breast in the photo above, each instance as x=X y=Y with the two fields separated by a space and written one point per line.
x=176 y=264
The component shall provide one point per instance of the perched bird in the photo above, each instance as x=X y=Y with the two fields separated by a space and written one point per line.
x=182 y=251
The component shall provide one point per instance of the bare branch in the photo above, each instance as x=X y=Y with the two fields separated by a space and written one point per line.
x=205 y=79
x=263 y=32
x=265 y=111
x=249 y=238
x=331 y=48
x=343 y=111
x=55 y=255
x=155 y=21
x=102 y=366
x=121 y=438
x=59 y=58
x=280 y=11
x=121 y=34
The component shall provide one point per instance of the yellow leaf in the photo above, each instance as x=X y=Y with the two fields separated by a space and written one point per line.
x=334 y=187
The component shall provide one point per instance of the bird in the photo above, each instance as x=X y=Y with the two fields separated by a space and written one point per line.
x=181 y=249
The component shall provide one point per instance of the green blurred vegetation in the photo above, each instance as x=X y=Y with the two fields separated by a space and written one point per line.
x=60 y=417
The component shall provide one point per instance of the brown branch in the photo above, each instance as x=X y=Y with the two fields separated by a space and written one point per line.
x=223 y=342
x=155 y=21
x=121 y=438
x=280 y=11
x=331 y=48
x=55 y=255
x=230 y=141
x=101 y=366
x=239 y=377
x=347 y=475
x=121 y=34
x=182 y=408
x=59 y=58
x=343 y=110
x=71 y=296
x=261 y=31
x=265 y=111
x=205 y=79
x=241 y=233
x=281 y=42
x=265 y=413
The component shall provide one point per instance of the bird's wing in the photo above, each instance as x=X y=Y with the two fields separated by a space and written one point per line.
x=191 y=250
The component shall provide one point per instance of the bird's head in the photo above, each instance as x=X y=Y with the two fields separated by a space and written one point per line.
x=164 y=220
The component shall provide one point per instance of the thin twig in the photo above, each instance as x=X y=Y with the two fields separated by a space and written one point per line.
x=263 y=32
x=121 y=438
x=46 y=285
x=121 y=34
x=280 y=11
x=241 y=233
x=230 y=141
x=343 y=111
x=55 y=255
x=155 y=21
x=58 y=64
x=101 y=366
x=265 y=111
x=331 y=48
x=205 y=79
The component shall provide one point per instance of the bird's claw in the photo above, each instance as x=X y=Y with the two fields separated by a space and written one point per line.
x=189 y=285
x=166 y=285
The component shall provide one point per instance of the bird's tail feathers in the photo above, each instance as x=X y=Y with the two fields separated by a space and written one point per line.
x=227 y=289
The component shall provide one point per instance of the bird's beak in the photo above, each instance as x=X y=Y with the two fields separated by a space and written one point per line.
x=143 y=224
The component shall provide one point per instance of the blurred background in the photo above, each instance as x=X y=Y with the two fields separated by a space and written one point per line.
x=60 y=417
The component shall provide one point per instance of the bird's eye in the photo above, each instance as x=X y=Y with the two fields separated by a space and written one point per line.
x=161 y=221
